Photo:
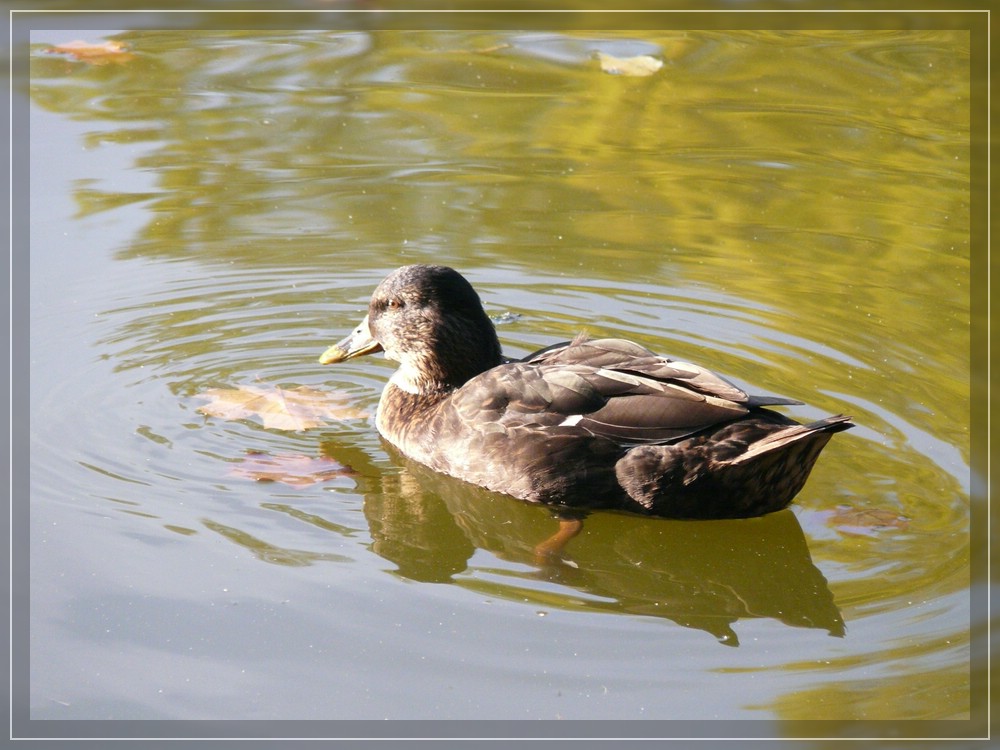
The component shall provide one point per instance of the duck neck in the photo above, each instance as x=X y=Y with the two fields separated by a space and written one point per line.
x=418 y=383
x=455 y=359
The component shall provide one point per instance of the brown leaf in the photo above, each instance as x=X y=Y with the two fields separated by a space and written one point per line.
x=292 y=469
x=95 y=54
x=299 y=408
x=641 y=65
x=865 y=521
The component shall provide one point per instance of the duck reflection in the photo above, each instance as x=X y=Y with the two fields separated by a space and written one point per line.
x=699 y=574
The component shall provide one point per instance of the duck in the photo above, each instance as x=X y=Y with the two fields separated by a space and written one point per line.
x=582 y=425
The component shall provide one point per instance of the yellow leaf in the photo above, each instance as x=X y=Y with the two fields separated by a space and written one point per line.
x=642 y=65
x=297 y=409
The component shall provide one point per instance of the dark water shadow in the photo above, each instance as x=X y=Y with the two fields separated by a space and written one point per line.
x=706 y=575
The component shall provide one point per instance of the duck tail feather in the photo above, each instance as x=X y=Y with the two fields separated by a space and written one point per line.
x=794 y=433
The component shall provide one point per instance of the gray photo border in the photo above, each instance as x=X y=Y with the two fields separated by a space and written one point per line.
x=974 y=16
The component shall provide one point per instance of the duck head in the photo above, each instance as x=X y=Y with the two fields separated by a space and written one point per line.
x=430 y=320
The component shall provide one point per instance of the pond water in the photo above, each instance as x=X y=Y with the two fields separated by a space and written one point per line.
x=210 y=210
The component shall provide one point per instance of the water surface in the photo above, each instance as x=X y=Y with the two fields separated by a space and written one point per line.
x=213 y=209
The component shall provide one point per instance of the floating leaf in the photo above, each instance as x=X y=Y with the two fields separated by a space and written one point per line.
x=299 y=408
x=482 y=50
x=95 y=54
x=865 y=521
x=292 y=469
x=642 y=65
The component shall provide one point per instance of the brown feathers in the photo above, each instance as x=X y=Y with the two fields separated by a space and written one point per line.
x=599 y=423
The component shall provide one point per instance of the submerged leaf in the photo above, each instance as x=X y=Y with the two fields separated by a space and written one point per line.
x=641 y=65
x=299 y=408
x=292 y=469
x=864 y=521
x=96 y=54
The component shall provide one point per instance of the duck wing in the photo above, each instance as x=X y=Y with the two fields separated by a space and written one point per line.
x=627 y=356
x=607 y=387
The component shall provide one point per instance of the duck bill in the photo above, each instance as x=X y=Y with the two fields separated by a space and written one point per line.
x=357 y=343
